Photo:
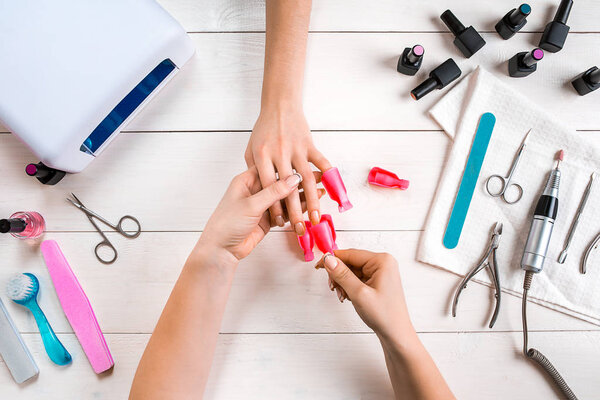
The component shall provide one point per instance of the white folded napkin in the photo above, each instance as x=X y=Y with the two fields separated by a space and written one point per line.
x=559 y=287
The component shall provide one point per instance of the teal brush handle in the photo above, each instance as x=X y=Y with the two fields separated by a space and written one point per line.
x=54 y=348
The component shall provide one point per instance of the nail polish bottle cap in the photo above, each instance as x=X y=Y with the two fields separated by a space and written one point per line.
x=14 y=225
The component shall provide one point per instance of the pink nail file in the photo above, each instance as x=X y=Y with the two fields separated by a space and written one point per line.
x=77 y=307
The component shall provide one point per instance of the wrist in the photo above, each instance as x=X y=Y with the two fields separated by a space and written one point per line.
x=207 y=255
x=281 y=102
x=401 y=342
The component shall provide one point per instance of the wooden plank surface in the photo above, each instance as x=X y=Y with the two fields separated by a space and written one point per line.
x=382 y=15
x=352 y=83
x=284 y=334
x=330 y=366
x=274 y=290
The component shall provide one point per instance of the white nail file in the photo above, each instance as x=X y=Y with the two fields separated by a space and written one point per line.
x=14 y=352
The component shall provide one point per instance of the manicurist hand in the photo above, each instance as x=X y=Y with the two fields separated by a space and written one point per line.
x=371 y=281
x=240 y=221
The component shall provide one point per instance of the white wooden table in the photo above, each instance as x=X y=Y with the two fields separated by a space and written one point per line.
x=285 y=336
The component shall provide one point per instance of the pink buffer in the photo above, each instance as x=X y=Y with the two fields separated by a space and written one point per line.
x=381 y=177
x=77 y=307
x=307 y=242
x=332 y=181
x=324 y=234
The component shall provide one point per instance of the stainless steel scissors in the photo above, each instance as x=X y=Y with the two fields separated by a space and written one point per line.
x=506 y=182
x=118 y=227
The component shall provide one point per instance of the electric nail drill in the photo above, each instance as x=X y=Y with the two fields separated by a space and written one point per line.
x=555 y=34
x=439 y=78
x=411 y=60
x=532 y=262
x=468 y=40
x=513 y=21
x=542 y=225
x=524 y=64
x=587 y=82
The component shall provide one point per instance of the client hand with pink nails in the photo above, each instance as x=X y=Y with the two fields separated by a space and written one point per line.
x=371 y=281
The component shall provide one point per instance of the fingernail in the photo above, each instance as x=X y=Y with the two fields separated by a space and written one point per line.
x=294 y=180
x=315 y=217
x=299 y=228
x=337 y=291
x=330 y=284
x=330 y=261
x=279 y=220
x=340 y=296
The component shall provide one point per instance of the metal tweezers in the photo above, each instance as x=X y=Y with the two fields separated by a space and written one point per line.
x=487 y=262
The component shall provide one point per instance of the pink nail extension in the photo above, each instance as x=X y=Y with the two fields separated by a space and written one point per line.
x=332 y=181
x=307 y=242
x=381 y=177
x=324 y=234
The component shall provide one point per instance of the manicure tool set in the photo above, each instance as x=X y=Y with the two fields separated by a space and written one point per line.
x=536 y=247
x=23 y=289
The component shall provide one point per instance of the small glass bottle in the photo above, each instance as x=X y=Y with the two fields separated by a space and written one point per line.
x=24 y=225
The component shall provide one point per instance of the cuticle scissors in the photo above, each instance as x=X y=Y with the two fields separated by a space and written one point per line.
x=118 y=227
x=506 y=181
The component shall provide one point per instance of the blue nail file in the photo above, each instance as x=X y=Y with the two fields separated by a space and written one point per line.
x=469 y=180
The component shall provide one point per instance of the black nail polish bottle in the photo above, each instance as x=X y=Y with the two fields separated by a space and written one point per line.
x=556 y=31
x=468 y=39
x=587 y=82
x=513 y=21
x=524 y=64
x=411 y=60
x=438 y=79
x=45 y=174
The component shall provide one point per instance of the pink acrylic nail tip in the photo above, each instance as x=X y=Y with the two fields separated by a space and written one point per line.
x=324 y=234
x=387 y=179
x=307 y=242
x=332 y=181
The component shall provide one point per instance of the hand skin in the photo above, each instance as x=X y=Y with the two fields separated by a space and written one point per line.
x=177 y=359
x=372 y=282
x=281 y=141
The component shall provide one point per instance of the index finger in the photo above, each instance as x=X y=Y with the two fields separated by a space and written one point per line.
x=354 y=257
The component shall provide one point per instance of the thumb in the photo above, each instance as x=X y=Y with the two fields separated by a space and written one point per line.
x=342 y=275
x=275 y=192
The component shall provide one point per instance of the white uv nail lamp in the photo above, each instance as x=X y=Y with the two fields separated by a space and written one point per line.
x=73 y=73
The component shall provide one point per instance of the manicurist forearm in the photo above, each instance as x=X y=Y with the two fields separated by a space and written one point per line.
x=177 y=360
x=178 y=356
x=372 y=282
x=412 y=371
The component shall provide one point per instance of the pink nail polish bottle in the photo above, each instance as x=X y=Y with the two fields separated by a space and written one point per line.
x=24 y=225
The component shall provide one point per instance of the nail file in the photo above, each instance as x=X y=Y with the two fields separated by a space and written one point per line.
x=469 y=180
x=14 y=352
x=77 y=307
